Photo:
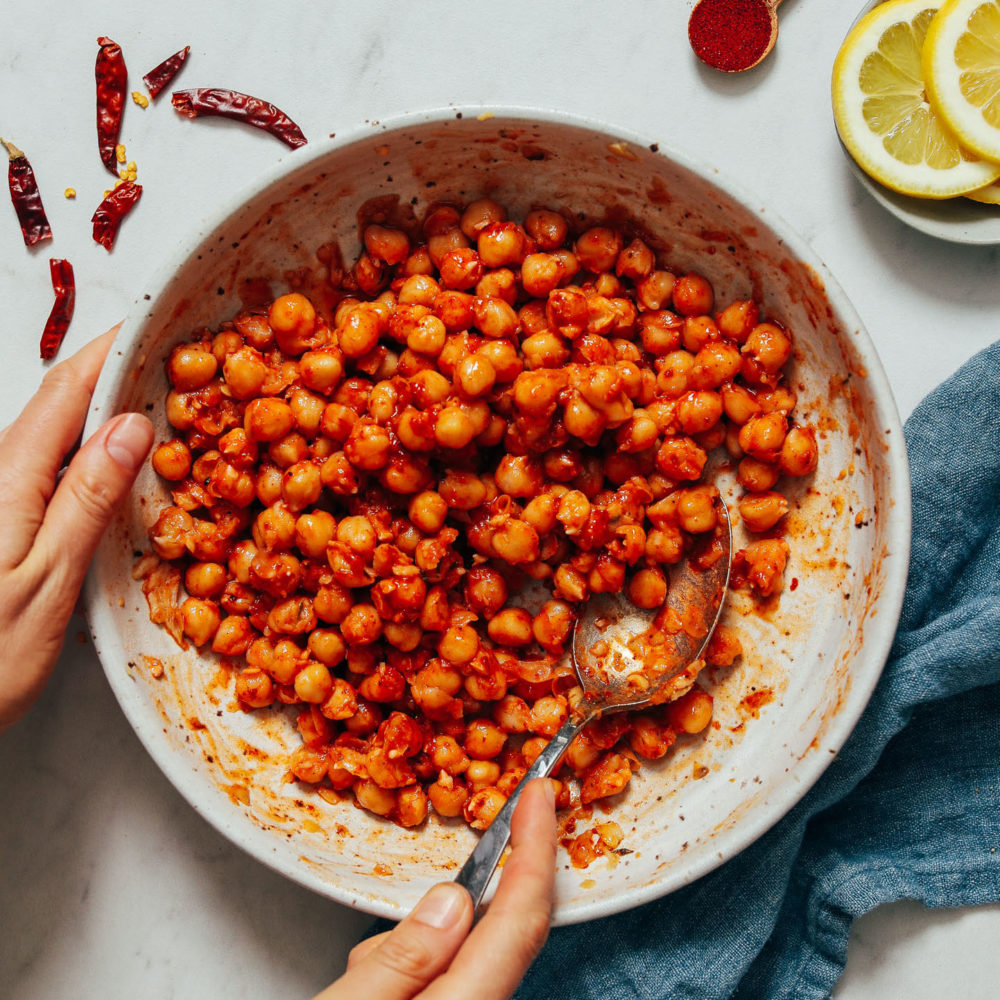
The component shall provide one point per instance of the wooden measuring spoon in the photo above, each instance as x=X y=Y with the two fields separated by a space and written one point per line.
x=733 y=35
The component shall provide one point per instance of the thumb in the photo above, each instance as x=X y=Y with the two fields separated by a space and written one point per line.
x=413 y=954
x=95 y=483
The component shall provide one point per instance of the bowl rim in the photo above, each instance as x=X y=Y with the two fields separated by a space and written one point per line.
x=878 y=637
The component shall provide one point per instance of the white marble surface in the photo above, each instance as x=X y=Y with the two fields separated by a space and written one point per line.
x=110 y=885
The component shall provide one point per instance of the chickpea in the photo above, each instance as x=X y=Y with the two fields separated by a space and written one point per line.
x=516 y=542
x=648 y=589
x=205 y=579
x=444 y=242
x=479 y=214
x=552 y=626
x=739 y=403
x=475 y=375
x=519 y=476
x=458 y=645
x=268 y=419
x=547 y=229
x=200 y=619
x=332 y=603
x=650 y=738
x=503 y=356
x=388 y=246
x=314 y=532
x=696 y=509
x=635 y=262
x=692 y=712
x=367 y=446
x=699 y=411
x=799 y=452
x=483 y=807
x=370 y=796
x=570 y=584
x=769 y=346
x=500 y=244
x=511 y=627
x=453 y=428
x=598 y=248
x=359 y=333
x=448 y=798
x=362 y=626
x=762 y=436
x=698 y=332
x=680 y=458
x=321 y=370
x=461 y=269
x=756 y=476
x=738 y=319
x=765 y=565
x=254 y=688
x=327 y=645
x=462 y=490
x=548 y=714
x=484 y=739
x=191 y=367
x=762 y=511
x=692 y=295
x=292 y=317
x=172 y=460
x=665 y=545
x=233 y=636
x=313 y=684
x=292 y=616
x=541 y=273
x=495 y=318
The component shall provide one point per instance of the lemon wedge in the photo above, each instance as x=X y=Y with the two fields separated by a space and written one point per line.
x=989 y=195
x=961 y=61
x=882 y=113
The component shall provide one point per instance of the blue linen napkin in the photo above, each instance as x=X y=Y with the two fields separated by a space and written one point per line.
x=908 y=810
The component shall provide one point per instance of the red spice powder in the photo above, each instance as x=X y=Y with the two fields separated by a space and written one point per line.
x=730 y=35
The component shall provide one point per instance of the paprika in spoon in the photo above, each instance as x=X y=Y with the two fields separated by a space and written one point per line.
x=733 y=35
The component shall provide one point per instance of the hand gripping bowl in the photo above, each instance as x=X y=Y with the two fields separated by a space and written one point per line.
x=811 y=657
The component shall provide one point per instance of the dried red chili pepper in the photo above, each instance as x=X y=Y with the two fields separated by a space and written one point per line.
x=156 y=79
x=731 y=35
x=64 y=285
x=240 y=107
x=112 y=88
x=109 y=214
x=25 y=197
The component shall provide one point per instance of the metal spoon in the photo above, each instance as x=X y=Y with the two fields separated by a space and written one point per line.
x=625 y=658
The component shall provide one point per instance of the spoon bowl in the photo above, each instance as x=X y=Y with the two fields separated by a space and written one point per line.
x=626 y=657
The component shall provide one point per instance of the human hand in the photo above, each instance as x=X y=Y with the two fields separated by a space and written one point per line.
x=49 y=531
x=431 y=954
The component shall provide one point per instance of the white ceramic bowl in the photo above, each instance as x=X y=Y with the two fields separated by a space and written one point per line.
x=811 y=659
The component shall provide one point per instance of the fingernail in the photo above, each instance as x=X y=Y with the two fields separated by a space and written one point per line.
x=442 y=906
x=129 y=441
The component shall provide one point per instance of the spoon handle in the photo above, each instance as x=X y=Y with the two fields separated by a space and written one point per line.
x=478 y=870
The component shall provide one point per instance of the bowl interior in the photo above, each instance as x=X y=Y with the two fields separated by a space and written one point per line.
x=811 y=657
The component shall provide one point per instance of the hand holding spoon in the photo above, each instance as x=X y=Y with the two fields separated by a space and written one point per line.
x=625 y=658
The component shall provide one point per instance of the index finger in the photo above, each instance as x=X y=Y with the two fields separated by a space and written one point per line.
x=504 y=943
x=33 y=447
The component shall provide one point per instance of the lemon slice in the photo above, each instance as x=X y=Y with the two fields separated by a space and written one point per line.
x=989 y=195
x=961 y=62
x=882 y=112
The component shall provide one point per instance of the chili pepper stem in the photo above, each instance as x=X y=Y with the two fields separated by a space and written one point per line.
x=13 y=153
